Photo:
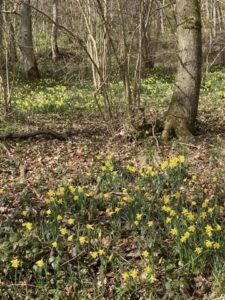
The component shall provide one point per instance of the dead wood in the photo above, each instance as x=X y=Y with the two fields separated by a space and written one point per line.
x=27 y=135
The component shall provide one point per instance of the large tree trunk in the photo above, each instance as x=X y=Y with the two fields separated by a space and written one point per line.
x=54 y=42
x=182 y=113
x=26 y=47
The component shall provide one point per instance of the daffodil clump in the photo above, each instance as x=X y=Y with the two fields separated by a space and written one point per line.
x=117 y=224
x=50 y=96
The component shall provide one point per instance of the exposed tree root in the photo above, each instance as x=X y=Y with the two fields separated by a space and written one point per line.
x=26 y=135
x=178 y=127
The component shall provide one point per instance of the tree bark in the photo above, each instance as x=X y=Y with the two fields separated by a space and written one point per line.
x=3 y=81
x=182 y=112
x=54 y=41
x=12 y=44
x=10 y=41
x=27 y=48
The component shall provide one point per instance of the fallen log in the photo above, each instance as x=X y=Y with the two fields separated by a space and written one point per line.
x=27 y=135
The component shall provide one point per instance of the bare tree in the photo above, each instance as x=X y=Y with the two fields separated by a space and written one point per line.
x=182 y=112
x=3 y=79
x=26 y=46
x=10 y=40
x=98 y=49
x=54 y=37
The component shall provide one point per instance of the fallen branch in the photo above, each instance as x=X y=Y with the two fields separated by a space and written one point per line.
x=27 y=135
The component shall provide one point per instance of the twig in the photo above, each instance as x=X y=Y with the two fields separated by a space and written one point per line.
x=189 y=145
x=153 y=134
x=6 y=149
x=25 y=284
x=74 y=258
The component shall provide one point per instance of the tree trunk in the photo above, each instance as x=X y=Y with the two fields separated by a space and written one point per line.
x=3 y=81
x=26 y=47
x=12 y=44
x=182 y=112
x=10 y=41
x=54 y=42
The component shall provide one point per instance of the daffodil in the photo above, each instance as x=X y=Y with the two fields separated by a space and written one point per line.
x=208 y=244
x=152 y=279
x=25 y=212
x=54 y=244
x=173 y=162
x=168 y=220
x=203 y=215
x=150 y=223
x=133 y=273
x=48 y=212
x=28 y=225
x=60 y=201
x=164 y=165
x=59 y=218
x=145 y=253
x=139 y=217
x=181 y=158
x=148 y=270
x=191 y=228
x=125 y=276
x=80 y=190
x=216 y=245
x=72 y=189
x=51 y=193
x=94 y=254
x=208 y=230
x=174 y=231
x=172 y=213
x=190 y=216
x=198 y=250
x=185 y=212
x=177 y=195
x=218 y=227
x=117 y=209
x=70 y=238
x=90 y=227
x=82 y=239
x=205 y=203
x=101 y=252
x=71 y=221
x=60 y=191
x=15 y=263
x=40 y=263
x=166 y=199
x=63 y=231
x=185 y=237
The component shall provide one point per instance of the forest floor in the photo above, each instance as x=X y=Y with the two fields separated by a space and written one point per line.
x=128 y=245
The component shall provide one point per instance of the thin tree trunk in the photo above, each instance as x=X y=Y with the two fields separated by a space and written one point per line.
x=26 y=47
x=148 y=43
x=182 y=113
x=12 y=43
x=3 y=81
x=54 y=37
